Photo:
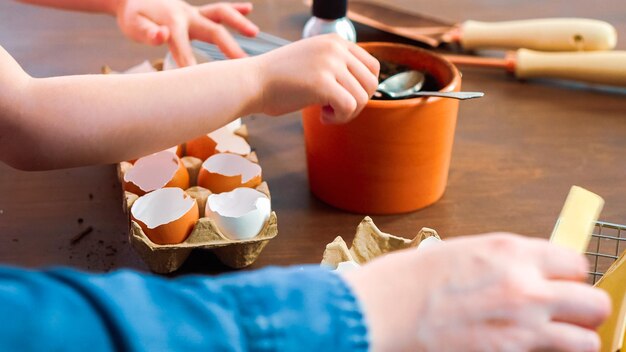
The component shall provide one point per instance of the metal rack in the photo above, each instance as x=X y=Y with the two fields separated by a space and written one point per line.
x=608 y=241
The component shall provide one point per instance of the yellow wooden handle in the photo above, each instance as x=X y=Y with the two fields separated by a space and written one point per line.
x=606 y=67
x=614 y=283
x=549 y=34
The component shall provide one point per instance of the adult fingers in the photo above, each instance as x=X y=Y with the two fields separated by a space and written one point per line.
x=211 y=32
x=180 y=45
x=230 y=16
x=567 y=338
x=579 y=304
x=557 y=262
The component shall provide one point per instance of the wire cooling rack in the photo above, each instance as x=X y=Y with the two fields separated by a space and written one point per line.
x=608 y=241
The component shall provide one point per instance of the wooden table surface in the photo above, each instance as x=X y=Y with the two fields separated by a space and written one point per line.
x=516 y=152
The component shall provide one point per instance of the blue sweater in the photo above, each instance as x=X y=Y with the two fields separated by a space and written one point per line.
x=275 y=309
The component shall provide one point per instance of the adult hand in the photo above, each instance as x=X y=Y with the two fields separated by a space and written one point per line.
x=495 y=292
x=325 y=70
x=176 y=22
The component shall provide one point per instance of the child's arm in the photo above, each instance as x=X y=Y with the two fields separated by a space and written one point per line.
x=174 y=22
x=92 y=119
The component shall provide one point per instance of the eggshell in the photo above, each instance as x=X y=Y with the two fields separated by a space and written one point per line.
x=144 y=67
x=125 y=166
x=228 y=142
x=162 y=169
x=222 y=140
x=429 y=242
x=177 y=149
x=346 y=266
x=234 y=125
x=201 y=147
x=224 y=172
x=239 y=214
x=166 y=216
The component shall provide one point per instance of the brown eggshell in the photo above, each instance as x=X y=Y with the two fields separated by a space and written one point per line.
x=218 y=181
x=201 y=147
x=168 y=232
x=179 y=178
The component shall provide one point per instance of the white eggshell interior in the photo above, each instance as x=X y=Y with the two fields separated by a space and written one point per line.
x=162 y=206
x=234 y=125
x=228 y=142
x=153 y=171
x=347 y=266
x=239 y=214
x=232 y=165
x=173 y=149
x=170 y=64
x=428 y=242
x=144 y=67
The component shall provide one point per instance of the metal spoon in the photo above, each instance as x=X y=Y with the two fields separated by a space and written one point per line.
x=408 y=84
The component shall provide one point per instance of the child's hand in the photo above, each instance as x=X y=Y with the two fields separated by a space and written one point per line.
x=325 y=70
x=175 y=22
x=482 y=293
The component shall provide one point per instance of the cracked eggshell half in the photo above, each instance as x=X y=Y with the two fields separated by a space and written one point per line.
x=222 y=140
x=159 y=170
x=177 y=149
x=166 y=216
x=224 y=172
x=239 y=214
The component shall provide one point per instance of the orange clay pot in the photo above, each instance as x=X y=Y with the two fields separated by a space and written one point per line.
x=394 y=157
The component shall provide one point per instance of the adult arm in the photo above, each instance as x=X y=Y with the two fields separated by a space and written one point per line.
x=174 y=22
x=70 y=121
x=480 y=293
x=486 y=293
x=307 y=309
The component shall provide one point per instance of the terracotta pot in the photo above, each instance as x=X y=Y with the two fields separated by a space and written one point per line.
x=394 y=157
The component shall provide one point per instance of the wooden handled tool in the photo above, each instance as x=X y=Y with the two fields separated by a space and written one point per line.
x=548 y=34
x=603 y=67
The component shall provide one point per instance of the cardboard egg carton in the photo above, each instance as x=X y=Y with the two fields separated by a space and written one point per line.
x=369 y=242
x=205 y=234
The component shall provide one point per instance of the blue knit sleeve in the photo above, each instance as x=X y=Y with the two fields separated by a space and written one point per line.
x=275 y=309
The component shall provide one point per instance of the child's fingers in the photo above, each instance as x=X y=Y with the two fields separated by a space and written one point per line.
x=366 y=58
x=354 y=87
x=180 y=45
x=143 y=30
x=230 y=16
x=361 y=72
x=208 y=31
x=343 y=104
x=243 y=7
